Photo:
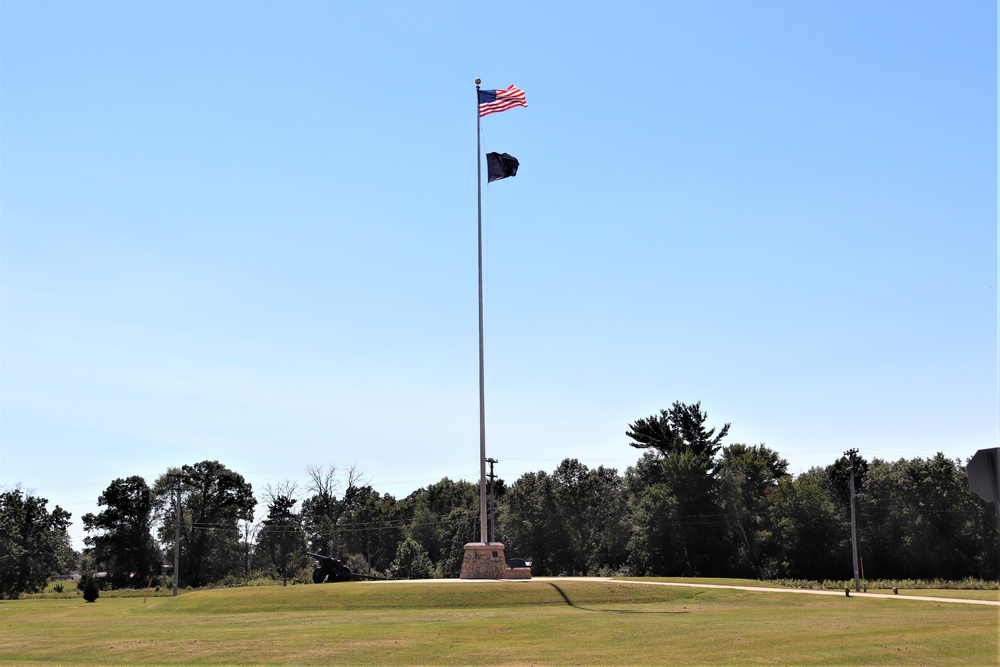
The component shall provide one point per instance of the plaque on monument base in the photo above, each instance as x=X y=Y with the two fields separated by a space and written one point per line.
x=485 y=560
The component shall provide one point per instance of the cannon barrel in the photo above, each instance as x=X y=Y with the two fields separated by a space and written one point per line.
x=322 y=558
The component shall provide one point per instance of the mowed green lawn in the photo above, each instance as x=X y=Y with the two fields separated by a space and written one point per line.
x=965 y=593
x=495 y=623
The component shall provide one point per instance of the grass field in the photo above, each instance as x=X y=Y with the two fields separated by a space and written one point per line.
x=966 y=593
x=495 y=623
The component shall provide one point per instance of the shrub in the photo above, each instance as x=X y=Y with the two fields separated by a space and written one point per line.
x=90 y=591
x=411 y=561
x=358 y=564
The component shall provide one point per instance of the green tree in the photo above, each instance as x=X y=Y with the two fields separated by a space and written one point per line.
x=32 y=542
x=680 y=429
x=811 y=533
x=322 y=511
x=248 y=531
x=748 y=475
x=941 y=498
x=919 y=519
x=647 y=471
x=530 y=525
x=444 y=520
x=411 y=562
x=372 y=525
x=122 y=543
x=91 y=591
x=457 y=526
x=886 y=520
x=654 y=546
x=87 y=571
x=591 y=505
x=686 y=452
x=838 y=475
x=214 y=500
x=281 y=543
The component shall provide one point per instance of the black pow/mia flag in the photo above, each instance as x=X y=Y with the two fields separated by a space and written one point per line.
x=500 y=165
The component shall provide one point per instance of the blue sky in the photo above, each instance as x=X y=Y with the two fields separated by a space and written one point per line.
x=246 y=232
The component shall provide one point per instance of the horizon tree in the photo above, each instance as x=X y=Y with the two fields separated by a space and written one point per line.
x=748 y=476
x=33 y=542
x=811 y=533
x=373 y=526
x=122 y=541
x=282 y=539
x=214 y=499
x=322 y=511
x=686 y=453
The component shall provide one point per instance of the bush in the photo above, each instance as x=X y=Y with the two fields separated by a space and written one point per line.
x=358 y=564
x=58 y=588
x=411 y=561
x=90 y=591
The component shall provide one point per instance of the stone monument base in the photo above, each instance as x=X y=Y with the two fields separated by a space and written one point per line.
x=485 y=560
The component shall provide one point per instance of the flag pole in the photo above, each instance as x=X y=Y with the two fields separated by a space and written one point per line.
x=482 y=381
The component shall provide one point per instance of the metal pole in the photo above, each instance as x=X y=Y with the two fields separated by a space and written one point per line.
x=177 y=535
x=482 y=381
x=854 y=524
x=493 y=499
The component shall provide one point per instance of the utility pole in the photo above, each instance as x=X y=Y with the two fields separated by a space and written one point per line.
x=177 y=533
x=493 y=500
x=851 y=453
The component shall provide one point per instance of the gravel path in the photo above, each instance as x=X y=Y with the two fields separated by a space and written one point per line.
x=761 y=589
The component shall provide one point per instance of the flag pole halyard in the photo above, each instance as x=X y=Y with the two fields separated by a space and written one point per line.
x=482 y=382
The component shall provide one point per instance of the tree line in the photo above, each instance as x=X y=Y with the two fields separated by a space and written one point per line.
x=690 y=506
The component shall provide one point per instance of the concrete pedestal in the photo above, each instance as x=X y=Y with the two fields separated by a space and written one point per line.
x=483 y=560
x=486 y=561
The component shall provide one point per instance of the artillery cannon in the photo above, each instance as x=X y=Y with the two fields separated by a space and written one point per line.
x=330 y=569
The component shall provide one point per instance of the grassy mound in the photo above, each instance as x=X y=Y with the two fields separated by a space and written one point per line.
x=423 y=595
x=494 y=623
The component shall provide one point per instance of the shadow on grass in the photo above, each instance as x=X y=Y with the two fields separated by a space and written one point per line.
x=609 y=611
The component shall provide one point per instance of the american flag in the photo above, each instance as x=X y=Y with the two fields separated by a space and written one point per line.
x=495 y=101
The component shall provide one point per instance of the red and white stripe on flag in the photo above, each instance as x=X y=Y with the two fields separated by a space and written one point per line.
x=505 y=99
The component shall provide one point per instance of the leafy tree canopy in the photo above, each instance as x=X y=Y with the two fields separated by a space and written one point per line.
x=32 y=542
x=214 y=500
x=122 y=542
x=679 y=429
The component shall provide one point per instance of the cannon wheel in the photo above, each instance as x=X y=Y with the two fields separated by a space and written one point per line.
x=319 y=576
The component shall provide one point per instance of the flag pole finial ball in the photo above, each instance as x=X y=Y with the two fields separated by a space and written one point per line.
x=478 y=81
